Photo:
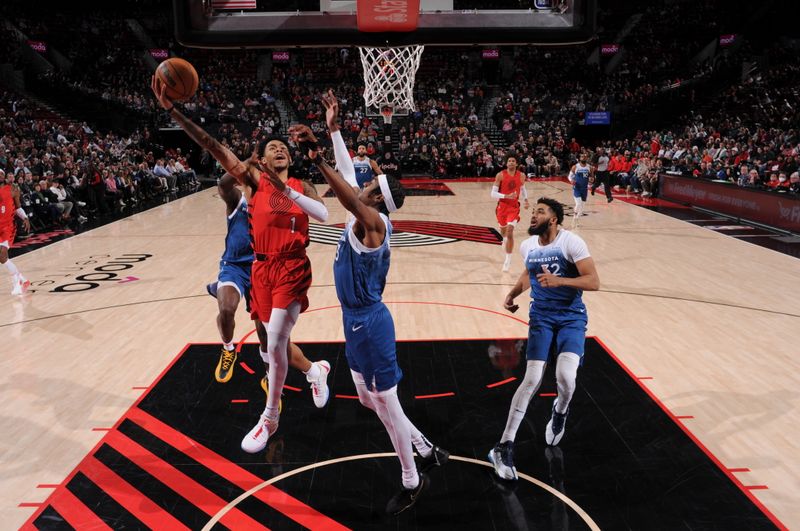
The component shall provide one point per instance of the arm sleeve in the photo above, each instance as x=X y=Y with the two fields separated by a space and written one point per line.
x=313 y=208
x=21 y=213
x=343 y=161
x=571 y=175
x=523 y=193
x=575 y=249
x=496 y=193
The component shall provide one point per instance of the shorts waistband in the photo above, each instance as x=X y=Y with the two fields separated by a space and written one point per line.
x=263 y=257
x=362 y=310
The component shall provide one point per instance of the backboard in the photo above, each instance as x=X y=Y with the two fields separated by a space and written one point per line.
x=308 y=23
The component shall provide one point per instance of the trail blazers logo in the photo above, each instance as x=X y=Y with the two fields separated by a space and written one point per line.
x=415 y=233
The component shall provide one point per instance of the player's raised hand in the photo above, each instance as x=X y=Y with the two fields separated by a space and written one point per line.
x=160 y=92
x=331 y=103
x=305 y=138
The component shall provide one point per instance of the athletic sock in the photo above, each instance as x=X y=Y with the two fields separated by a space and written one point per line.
x=313 y=373
x=12 y=268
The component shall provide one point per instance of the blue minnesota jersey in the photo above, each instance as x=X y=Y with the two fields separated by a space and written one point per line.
x=582 y=175
x=558 y=258
x=364 y=172
x=237 y=241
x=359 y=272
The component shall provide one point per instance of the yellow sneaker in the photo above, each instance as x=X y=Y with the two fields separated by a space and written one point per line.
x=227 y=361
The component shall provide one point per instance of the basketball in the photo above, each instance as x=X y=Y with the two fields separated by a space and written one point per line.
x=179 y=76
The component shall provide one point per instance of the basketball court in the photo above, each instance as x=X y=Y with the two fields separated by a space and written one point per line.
x=685 y=414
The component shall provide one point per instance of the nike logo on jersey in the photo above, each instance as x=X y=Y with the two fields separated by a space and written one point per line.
x=357 y=328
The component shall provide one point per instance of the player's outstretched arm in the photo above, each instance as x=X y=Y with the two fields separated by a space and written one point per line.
x=369 y=218
x=224 y=156
x=343 y=161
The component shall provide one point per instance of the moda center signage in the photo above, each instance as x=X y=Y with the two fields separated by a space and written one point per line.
x=90 y=273
x=769 y=208
x=39 y=46
x=159 y=53
x=609 y=49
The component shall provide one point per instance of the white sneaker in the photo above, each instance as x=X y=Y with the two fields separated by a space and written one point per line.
x=554 y=431
x=20 y=285
x=319 y=387
x=256 y=440
x=506 y=265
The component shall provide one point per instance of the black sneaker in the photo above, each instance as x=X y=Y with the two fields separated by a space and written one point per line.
x=554 y=430
x=438 y=457
x=406 y=498
x=502 y=457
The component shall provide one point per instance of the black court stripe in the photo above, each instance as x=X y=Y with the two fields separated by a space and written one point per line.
x=103 y=505
x=51 y=520
x=150 y=487
x=217 y=484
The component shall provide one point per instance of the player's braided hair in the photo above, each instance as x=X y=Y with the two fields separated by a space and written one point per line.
x=555 y=206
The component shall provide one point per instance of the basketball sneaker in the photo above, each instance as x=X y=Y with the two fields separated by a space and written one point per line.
x=212 y=289
x=265 y=387
x=227 y=361
x=438 y=457
x=406 y=498
x=502 y=457
x=21 y=285
x=256 y=440
x=554 y=431
x=319 y=386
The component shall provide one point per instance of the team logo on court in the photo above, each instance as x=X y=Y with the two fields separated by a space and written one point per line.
x=407 y=233
x=91 y=273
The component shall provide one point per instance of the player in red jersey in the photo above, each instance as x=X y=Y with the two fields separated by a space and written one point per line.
x=9 y=206
x=509 y=186
x=281 y=273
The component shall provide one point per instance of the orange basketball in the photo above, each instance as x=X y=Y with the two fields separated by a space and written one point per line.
x=179 y=76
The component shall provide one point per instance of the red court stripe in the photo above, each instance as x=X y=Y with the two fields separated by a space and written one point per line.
x=738 y=470
x=644 y=377
x=709 y=453
x=246 y=367
x=140 y=388
x=440 y=395
x=240 y=401
x=195 y=493
x=47 y=486
x=684 y=416
x=351 y=397
x=30 y=504
x=135 y=502
x=277 y=499
x=548 y=394
x=75 y=512
x=756 y=487
x=290 y=388
x=501 y=382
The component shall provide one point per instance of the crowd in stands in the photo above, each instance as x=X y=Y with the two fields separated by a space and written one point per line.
x=463 y=126
x=69 y=174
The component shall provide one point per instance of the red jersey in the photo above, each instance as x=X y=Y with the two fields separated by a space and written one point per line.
x=7 y=206
x=510 y=184
x=277 y=224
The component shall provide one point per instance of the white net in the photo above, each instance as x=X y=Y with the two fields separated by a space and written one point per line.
x=389 y=75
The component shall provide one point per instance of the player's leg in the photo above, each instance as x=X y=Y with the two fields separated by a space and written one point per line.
x=570 y=344
x=511 y=223
x=20 y=283
x=228 y=297
x=540 y=335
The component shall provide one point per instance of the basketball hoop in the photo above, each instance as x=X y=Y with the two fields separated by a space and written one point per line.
x=389 y=75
